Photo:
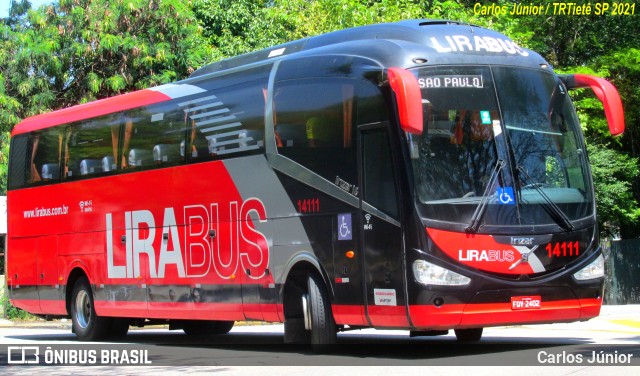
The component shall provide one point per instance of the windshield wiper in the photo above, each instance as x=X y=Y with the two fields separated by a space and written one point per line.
x=476 y=218
x=556 y=213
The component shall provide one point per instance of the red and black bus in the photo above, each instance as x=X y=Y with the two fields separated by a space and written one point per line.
x=420 y=175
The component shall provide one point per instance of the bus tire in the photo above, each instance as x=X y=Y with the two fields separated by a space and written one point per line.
x=87 y=325
x=199 y=328
x=323 y=327
x=468 y=335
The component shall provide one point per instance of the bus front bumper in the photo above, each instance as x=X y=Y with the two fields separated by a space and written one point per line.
x=477 y=315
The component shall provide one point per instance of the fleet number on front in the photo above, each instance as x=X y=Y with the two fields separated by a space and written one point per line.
x=563 y=249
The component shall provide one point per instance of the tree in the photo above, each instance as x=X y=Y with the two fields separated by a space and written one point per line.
x=75 y=51
x=613 y=173
x=241 y=26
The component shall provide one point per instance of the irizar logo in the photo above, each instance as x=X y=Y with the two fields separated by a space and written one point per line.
x=521 y=241
x=490 y=255
x=462 y=43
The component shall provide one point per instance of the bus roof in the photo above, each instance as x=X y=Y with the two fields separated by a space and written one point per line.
x=404 y=44
x=436 y=41
x=89 y=110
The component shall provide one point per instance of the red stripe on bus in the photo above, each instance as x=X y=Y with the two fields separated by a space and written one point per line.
x=498 y=314
x=422 y=316
x=29 y=305
x=349 y=314
x=190 y=310
x=122 y=309
x=590 y=308
x=53 y=307
x=429 y=316
x=171 y=310
x=388 y=316
x=88 y=110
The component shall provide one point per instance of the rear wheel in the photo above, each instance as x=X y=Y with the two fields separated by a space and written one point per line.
x=86 y=324
x=468 y=335
x=318 y=315
x=199 y=328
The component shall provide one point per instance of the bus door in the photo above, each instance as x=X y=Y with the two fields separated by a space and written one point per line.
x=383 y=267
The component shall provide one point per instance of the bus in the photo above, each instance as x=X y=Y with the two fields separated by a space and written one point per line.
x=422 y=175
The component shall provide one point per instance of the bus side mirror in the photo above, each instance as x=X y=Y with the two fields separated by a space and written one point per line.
x=409 y=99
x=606 y=93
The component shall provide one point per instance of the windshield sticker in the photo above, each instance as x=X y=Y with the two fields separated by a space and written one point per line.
x=497 y=129
x=458 y=81
x=385 y=297
x=485 y=116
x=505 y=196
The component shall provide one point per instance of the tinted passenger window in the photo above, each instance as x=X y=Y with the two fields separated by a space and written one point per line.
x=91 y=147
x=228 y=119
x=379 y=183
x=45 y=156
x=152 y=136
x=19 y=163
x=371 y=105
x=314 y=126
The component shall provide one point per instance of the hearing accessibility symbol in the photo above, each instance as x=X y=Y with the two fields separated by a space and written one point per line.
x=505 y=196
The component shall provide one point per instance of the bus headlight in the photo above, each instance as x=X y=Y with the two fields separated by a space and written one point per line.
x=591 y=271
x=430 y=274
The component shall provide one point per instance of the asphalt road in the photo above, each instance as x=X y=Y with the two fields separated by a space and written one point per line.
x=588 y=348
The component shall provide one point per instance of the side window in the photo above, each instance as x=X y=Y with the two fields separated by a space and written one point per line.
x=91 y=147
x=152 y=136
x=371 y=105
x=19 y=161
x=45 y=156
x=379 y=183
x=228 y=119
x=314 y=126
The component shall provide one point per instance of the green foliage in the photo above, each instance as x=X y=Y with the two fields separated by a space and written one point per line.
x=239 y=26
x=13 y=313
x=4 y=164
x=613 y=173
x=75 y=51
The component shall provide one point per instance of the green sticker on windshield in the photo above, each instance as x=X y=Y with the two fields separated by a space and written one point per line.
x=485 y=116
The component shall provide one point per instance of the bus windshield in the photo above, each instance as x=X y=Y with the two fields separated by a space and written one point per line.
x=476 y=118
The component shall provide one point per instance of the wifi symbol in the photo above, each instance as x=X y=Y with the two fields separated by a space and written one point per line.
x=367 y=217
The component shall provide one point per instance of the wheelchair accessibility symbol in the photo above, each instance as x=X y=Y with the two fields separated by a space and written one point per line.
x=344 y=227
x=505 y=196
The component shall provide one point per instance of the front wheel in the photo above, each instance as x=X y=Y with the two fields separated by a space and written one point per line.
x=87 y=325
x=318 y=315
x=468 y=335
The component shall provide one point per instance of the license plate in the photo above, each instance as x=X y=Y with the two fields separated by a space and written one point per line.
x=526 y=302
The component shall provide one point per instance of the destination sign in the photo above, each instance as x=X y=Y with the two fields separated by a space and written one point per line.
x=459 y=81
